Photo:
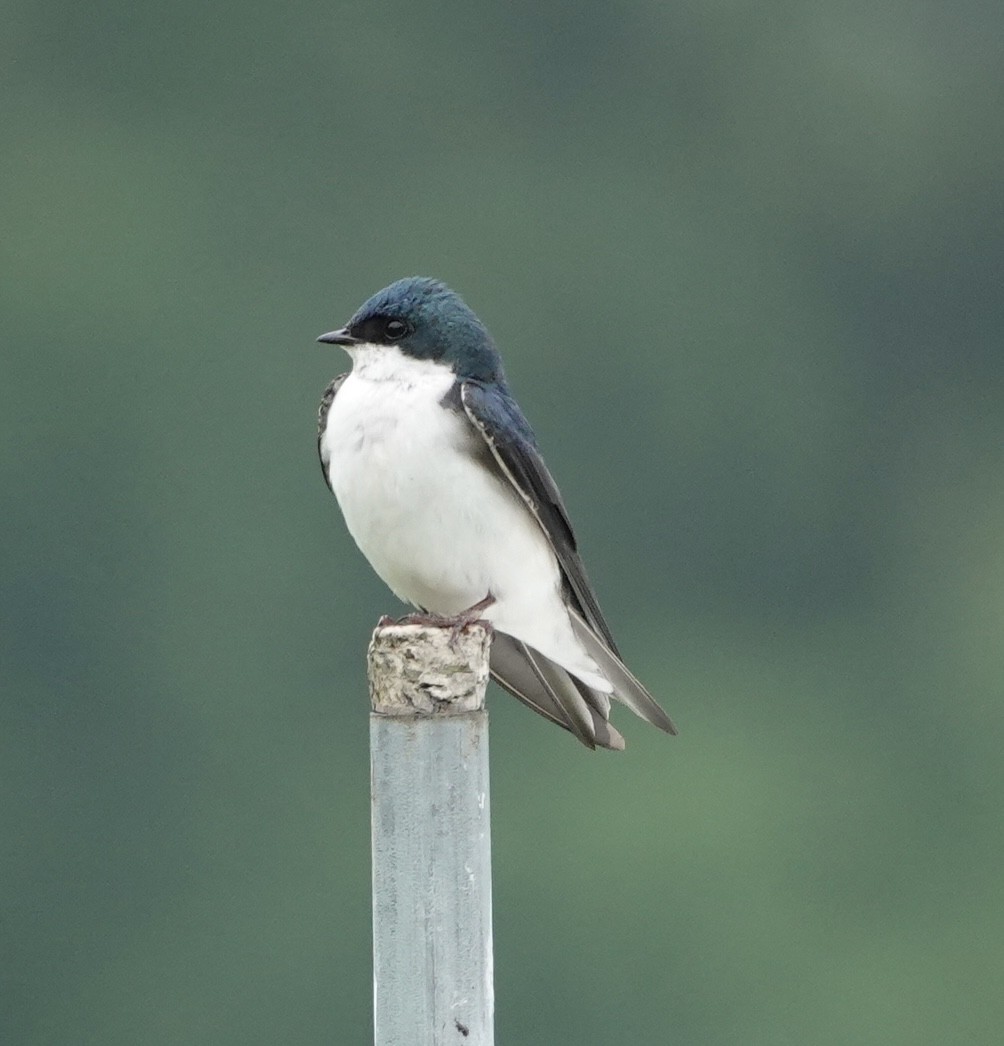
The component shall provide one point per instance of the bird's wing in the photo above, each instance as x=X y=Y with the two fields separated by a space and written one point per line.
x=534 y=679
x=322 y=419
x=509 y=437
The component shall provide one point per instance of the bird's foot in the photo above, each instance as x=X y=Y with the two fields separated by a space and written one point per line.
x=456 y=623
x=468 y=617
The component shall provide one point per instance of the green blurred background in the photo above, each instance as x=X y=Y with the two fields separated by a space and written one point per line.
x=744 y=262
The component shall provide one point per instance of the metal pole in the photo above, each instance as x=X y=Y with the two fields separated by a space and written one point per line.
x=432 y=904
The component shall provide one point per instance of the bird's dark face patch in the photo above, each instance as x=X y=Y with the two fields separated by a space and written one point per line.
x=381 y=330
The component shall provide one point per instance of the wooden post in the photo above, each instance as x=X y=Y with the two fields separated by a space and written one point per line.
x=432 y=906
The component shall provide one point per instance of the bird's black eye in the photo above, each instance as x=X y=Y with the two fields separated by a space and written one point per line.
x=395 y=329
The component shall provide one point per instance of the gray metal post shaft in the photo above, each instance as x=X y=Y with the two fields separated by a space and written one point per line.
x=432 y=907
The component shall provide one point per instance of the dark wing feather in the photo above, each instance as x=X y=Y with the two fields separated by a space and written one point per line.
x=322 y=419
x=509 y=437
x=538 y=682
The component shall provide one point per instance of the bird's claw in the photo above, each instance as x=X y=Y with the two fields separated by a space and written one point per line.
x=457 y=624
x=462 y=624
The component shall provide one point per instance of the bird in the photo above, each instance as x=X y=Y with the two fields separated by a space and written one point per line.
x=443 y=488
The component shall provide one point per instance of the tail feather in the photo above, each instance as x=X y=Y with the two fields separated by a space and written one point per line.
x=607 y=735
x=627 y=689
x=514 y=672
x=565 y=693
x=551 y=692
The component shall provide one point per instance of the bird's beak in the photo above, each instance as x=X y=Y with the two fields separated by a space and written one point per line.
x=340 y=337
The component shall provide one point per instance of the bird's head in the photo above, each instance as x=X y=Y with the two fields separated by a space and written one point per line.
x=423 y=319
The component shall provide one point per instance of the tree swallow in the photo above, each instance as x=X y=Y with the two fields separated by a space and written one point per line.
x=438 y=475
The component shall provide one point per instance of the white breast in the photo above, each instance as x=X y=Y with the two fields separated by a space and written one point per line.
x=440 y=528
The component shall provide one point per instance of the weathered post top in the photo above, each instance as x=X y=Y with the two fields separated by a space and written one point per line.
x=419 y=670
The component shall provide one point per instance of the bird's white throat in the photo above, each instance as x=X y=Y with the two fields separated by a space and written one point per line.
x=387 y=363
